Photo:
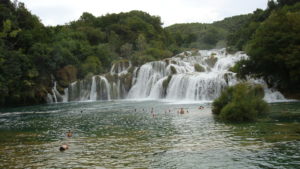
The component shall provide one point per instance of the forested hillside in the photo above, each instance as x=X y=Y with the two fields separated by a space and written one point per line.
x=206 y=36
x=272 y=40
x=32 y=56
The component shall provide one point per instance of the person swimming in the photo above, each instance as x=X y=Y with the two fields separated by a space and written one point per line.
x=69 y=133
x=201 y=107
x=181 y=111
x=63 y=147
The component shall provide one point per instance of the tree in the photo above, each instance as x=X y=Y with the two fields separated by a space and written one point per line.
x=126 y=50
x=287 y=2
x=240 y=103
x=141 y=42
x=274 y=50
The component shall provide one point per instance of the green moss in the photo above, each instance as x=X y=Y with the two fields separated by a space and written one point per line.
x=173 y=70
x=199 y=68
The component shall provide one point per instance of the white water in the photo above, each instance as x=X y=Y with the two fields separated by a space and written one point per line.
x=56 y=97
x=150 y=81
x=93 y=94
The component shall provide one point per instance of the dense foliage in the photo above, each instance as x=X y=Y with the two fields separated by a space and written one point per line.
x=272 y=40
x=32 y=56
x=240 y=103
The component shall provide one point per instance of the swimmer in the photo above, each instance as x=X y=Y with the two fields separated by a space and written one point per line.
x=69 y=133
x=181 y=111
x=63 y=147
x=201 y=107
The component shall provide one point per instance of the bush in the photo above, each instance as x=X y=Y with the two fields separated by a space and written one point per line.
x=241 y=103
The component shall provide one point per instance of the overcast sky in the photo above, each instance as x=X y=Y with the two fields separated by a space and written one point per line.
x=53 y=12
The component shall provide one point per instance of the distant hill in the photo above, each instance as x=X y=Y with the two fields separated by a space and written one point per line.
x=206 y=36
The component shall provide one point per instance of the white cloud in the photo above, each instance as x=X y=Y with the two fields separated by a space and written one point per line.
x=53 y=12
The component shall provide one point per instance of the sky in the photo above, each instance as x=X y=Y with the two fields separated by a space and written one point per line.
x=58 y=12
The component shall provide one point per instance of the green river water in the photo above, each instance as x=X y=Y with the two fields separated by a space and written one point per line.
x=125 y=134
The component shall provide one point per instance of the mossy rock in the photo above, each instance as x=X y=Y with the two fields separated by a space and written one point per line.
x=174 y=62
x=195 y=53
x=211 y=61
x=126 y=80
x=111 y=78
x=123 y=62
x=165 y=85
x=227 y=76
x=167 y=61
x=66 y=75
x=173 y=70
x=199 y=68
x=88 y=76
x=131 y=69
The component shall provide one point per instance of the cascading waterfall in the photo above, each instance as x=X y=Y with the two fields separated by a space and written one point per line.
x=93 y=93
x=56 y=97
x=197 y=75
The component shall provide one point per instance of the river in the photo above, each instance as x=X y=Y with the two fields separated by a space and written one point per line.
x=126 y=134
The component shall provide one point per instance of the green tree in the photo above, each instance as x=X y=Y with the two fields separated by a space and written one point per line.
x=274 y=50
x=240 y=103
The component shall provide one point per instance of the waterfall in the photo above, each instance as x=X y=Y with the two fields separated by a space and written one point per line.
x=198 y=75
x=93 y=94
x=193 y=75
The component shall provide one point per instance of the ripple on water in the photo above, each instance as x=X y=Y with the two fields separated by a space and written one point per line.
x=114 y=135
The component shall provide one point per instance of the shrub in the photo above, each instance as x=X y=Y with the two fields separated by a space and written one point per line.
x=241 y=103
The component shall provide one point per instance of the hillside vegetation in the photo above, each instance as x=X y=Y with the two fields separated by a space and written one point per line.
x=272 y=40
x=33 y=56
x=206 y=36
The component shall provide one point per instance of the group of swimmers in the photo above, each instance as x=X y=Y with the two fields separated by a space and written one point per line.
x=180 y=111
x=69 y=134
x=65 y=146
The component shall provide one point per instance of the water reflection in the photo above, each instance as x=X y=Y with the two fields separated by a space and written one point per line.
x=120 y=134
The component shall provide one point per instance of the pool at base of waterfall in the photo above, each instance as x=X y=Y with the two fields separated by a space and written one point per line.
x=146 y=134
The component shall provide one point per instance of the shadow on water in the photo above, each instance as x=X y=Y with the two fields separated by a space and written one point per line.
x=147 y=134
